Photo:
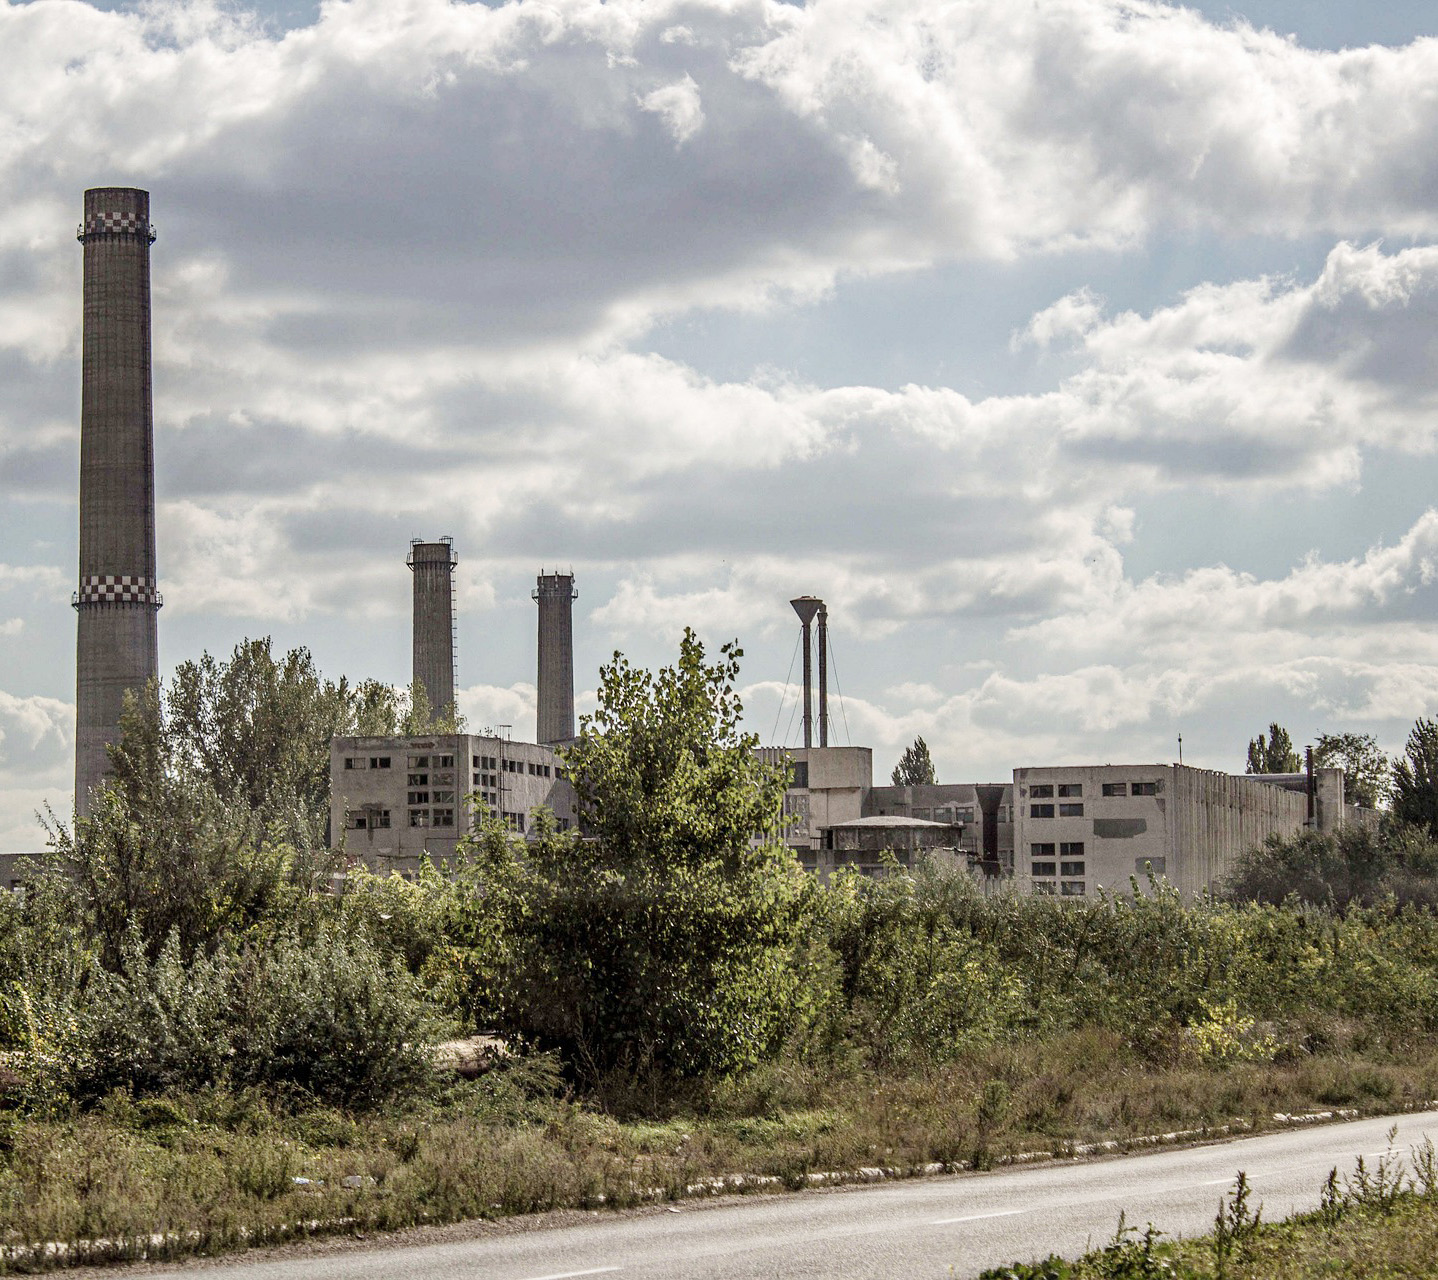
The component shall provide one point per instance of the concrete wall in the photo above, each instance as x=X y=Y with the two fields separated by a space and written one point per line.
x=117 y=645
x=555 y=711
x=1218 y=817
x=838 y=779
x=1187 y=825
x=394 y=801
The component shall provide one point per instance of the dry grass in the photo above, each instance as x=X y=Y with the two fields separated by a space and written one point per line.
x=213 y=1172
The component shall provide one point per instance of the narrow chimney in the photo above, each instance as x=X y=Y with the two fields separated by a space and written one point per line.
x=806 y=607
x=556 y=595
x=432 y=564
x=823 y=674
x=117 y=647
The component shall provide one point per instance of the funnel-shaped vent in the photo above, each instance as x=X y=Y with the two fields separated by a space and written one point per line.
x=806 y=607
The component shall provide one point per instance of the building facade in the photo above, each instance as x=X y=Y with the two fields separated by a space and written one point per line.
x=397 y=802
x=1082 y=829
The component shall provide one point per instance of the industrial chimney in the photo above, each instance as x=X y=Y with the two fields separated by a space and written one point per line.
x=556 y=595
x=432 y=564
x=806 y=607
x=117 y=646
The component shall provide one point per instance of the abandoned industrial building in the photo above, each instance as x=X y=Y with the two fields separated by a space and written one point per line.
x=397 y=803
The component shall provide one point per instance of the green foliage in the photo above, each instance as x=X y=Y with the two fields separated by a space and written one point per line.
x=1367 y=778
x=665 y=776
x=162 y=853
x=330 y=1018
x=1274 y=754
x=664 y=943
x=915 y=767
x=1355 y=865
x=1415 y=778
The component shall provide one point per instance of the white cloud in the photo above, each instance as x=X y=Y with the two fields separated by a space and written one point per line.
x=678 y=105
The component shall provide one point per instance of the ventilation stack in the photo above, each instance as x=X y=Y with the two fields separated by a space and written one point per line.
x=117 y=646
x=556 y=595
x=806 y=607
x=823 y=674
x=432 y=564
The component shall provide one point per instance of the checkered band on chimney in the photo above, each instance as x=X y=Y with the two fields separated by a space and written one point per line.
x=116 y=224
x=107 y=588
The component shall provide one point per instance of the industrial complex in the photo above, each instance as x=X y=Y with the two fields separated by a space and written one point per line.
x=397 y=803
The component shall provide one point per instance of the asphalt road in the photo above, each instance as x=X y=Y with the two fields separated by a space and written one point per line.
x=939 y=1227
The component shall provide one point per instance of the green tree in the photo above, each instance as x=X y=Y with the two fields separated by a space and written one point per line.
x=1274 y=754
x=1366 y=774
x=163 y=852
x=258 y=727
x=1415 y=778
x=915 y=768
x=663 y=943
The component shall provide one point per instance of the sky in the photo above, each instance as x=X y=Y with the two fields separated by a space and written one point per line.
x=1082 y=355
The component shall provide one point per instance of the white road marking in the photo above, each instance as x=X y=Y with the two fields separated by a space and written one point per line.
x=977 y=1217
x=568 y=1275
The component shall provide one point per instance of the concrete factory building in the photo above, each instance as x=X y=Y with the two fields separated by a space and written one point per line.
x=117 y=646
x=403 y=801
x=1079 y=830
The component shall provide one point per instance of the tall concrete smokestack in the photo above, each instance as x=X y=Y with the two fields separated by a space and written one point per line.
x=432 y=564
x=806 y=607
x=117 y=644
x=556 y=595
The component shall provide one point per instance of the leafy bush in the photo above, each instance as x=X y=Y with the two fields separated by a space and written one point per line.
x=331 y=1019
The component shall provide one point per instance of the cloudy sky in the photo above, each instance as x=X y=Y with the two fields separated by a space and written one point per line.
x=1081 y=354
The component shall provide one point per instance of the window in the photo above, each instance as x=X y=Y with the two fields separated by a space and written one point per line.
x=1071 y=789
x=446 y=776
x=1115 y=788
x=923 y=814
x=444 y=762
x=356 y=820
x=379 y=762
x=354 y=762
x=1045 y=791
x=943 y=815
x=419 y=762
x=801 y=774
x=1071 y=888
x=477 y=764
x=419 y=797
x=1145 y=789
x=475 y=780
x=1041 y=811
x=381 y=818
x=441 y=797
x=418 y=780
x=1150 y=866
x=1071 y=849
x=533 y=769
x=560 y=772
x=1044 y=888
x=544 y=769
x=443 y=818
x=965 y=815
x=1041 y=850
x=1070 y=811
x=1071 y=869
x=419 y=817
x=1045 y=869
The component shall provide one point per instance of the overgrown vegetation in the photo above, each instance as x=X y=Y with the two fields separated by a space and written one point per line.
x=195 y=1020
